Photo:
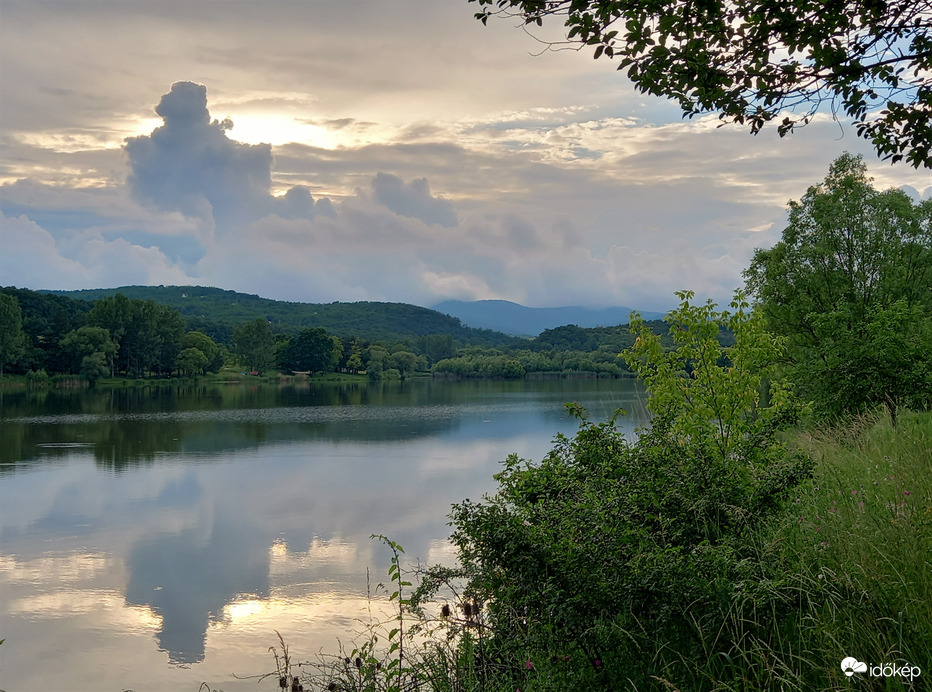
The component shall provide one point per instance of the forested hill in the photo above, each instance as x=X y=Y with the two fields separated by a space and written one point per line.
x=145 y=331
x=216 y=311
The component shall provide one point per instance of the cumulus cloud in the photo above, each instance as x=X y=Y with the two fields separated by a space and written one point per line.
x=367 y=252
x=72 y=215
x=412 y=199
x=189 y=164
x=86 y=261
x=29 y=250
x=298 y=203
x=548 y=232
x=915 y=195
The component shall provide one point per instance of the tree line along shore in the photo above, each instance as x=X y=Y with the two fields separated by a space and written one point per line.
x=48 y=336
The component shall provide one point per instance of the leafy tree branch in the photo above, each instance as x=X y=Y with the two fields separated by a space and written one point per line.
x=756 y=62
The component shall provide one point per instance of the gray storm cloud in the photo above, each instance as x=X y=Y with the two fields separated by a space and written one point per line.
x=298 y=203
x=412 y=200
x=189 y=164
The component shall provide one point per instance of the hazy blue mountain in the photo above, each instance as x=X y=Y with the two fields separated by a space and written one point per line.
x=518 y=320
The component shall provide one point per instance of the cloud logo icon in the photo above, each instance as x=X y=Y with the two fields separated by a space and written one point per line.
x=851 y=665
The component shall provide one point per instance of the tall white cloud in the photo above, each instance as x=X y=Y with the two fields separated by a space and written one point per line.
x=189 y=164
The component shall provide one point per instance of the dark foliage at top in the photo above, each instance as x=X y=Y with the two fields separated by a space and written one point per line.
x=754 y=62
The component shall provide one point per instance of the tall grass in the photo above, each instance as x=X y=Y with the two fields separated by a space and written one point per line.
x=847 y=570
x=859 y=544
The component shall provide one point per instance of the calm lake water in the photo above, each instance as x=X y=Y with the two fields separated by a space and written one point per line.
x=155 y=538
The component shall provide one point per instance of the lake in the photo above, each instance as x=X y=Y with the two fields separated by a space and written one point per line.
x=153 y=538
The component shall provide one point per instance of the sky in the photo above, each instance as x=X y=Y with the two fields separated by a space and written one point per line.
x=388 y=150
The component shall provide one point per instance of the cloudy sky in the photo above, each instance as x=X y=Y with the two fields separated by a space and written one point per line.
x=341 y=150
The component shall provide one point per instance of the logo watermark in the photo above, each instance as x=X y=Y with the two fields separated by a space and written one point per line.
x=851 y=665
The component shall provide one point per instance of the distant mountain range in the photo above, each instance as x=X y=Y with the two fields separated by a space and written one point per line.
x=518 y=320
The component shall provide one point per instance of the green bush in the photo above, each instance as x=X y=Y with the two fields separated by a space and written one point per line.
x=37 y=377
x=600 y=568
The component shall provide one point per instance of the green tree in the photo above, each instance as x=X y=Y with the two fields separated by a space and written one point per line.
x=354 y=363
x=375 y=357
x=354 y=360
x=205 y=345
x=12 y=338
x=148 y=335
x=709 y=395
x=403 y=361
x=254 y=344
x=80 y=343
x=191 y=361
x=754 y=62
x=512 y=369
x=311 y=350
x=336 y=353
x=853 y=264
x=116 y=315
x=169 y=332
x=437 y=347
x=887 y=360
x=94 y=366
x=46 y=319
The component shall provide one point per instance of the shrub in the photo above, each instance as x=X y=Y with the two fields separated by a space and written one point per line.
x=37 y=377
x=607 y=546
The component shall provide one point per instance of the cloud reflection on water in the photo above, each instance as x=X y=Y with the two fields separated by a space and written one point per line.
x=210 y=546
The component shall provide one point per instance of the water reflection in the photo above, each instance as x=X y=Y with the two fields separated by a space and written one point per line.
x=132 y=425
x=152 y=548
x=188 y=579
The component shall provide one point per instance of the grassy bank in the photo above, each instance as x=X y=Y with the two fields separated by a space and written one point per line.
x=225 y=376
x=847 y=569
x=722 y=549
